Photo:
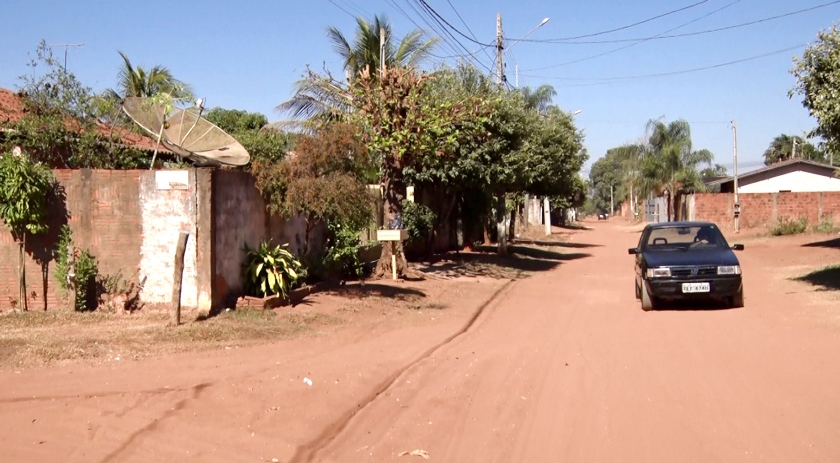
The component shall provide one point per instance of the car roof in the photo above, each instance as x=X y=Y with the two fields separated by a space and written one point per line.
x=684 y=223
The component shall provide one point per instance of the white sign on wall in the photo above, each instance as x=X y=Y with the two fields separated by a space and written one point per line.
x=172 y=179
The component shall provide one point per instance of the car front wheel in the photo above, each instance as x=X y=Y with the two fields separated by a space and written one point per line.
x=647 y=300
x=737 y=301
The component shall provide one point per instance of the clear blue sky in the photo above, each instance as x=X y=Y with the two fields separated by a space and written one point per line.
x=247 y=54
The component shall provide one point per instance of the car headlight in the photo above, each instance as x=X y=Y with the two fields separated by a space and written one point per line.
x=659 y=272
x=729 y=270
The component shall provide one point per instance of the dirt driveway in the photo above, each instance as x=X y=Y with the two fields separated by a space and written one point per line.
x=560 y=366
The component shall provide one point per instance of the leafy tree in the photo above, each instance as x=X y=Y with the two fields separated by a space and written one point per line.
x=24 y=188
x=322 y=180
x=405 y=129
x=263 y=142
x=669 y=164
x=782 y=149
x=817 y=74
x=59 y=127
x=540 y=98
x=320 y=97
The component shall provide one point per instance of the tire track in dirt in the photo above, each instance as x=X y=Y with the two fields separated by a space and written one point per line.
x=307 y=452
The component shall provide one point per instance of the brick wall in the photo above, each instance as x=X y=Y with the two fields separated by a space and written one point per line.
x=762 y=210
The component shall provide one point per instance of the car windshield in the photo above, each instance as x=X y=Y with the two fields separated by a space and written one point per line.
x=684 y=238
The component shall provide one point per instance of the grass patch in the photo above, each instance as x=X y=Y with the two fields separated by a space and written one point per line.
x=43 y=338
x=826 y=226
x=827 y=278
x=788 y=226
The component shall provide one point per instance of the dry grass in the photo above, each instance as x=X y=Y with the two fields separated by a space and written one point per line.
x=44 y=338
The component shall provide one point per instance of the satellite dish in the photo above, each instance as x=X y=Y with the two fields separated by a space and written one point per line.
x=186 y=133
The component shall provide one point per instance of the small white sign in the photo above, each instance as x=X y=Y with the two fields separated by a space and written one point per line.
x=172 y=179
x=695 y=288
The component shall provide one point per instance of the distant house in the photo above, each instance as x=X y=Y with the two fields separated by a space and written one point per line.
x=794 y=175
x=13 y=109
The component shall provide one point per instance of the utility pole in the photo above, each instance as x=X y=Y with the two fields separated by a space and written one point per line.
x=517 y=76
x=382 y=53
x=500 y=70
x=737 y=210
x=793 y=155
x=612 y=204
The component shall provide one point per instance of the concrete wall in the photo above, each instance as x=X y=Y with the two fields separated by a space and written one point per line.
x=130 y=221
x=762 y=210
x=239 y=217
x=794 y=178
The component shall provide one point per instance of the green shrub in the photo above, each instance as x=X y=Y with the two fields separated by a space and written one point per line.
x=343 y=251
x=271 y=270
x=826 y=226
x=85 y=271
x=788 y=226
x=419 y=220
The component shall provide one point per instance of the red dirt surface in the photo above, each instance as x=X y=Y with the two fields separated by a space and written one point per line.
x=560 y=366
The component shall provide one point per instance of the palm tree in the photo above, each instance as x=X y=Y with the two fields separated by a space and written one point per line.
x=669 y=165
x=540 y=98
x=785 y=147
x=137 y=81
x=321 y=96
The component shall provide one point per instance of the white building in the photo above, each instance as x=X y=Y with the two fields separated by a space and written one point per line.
x=795 y=175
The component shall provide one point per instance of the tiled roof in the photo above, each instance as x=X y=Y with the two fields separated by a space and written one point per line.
x=13 y=110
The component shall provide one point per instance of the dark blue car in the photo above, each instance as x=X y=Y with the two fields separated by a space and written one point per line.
x=686 y=261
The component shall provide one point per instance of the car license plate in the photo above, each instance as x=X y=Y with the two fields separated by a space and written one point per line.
x=695 y=287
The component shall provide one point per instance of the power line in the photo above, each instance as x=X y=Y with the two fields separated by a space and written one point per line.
x=441 y=18
x=594 y=34
x=671 y=73
x=468 y=28
x=638 y=42
x=687 y=34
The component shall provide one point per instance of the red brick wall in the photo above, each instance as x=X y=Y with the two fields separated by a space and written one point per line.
x=762 y=210
x=102 y=209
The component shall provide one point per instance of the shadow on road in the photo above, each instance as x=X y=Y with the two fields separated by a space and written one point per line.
x=559 y=244
x=692 y=306
x=835 y=243
x=828 y=279
x=359 y=291
x=484 y=261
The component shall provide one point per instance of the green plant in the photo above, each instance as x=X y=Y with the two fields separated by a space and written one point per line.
x=24 y=187
x=79 y=268
x=271 y=270
x=342 y=256
x=419 y=220
x=826 y=226
x=788 y=226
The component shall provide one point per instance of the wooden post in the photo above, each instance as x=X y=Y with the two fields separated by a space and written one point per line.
x=175 y=310
x=393 y=260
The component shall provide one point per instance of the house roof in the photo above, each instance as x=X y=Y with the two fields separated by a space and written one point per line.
x=12 y=110
x=829 y=170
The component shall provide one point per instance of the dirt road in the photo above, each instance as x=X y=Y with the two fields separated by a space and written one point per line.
x=560 y=366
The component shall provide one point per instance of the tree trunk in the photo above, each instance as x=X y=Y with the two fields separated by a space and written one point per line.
x=501 y=213
x=22 y=274
x=393 y=193
x=512 y=228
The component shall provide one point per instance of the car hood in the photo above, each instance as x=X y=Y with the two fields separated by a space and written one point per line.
x=714 y=256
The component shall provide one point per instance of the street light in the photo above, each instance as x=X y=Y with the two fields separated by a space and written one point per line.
x=541 y=24
x=576 y=112
x=544 y=21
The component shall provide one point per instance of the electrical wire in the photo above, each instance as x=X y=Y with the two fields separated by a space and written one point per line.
x=671 y=73
x=687 y=34
x=638 y=23
x=441 y=18
x=638 y=42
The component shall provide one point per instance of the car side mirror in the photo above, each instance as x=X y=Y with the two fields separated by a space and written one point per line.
x=633 y=251
x=738 y=247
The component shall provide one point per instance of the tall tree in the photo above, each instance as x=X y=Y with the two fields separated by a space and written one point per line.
x=785 y=147
x=540 y=98
x=322 y=97
x=817 y=74
x=669 y=164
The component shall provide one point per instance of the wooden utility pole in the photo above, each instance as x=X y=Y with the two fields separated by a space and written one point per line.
x=382 y=52
x=500 y=67
x=793 y=154
x=737 y=211
x=177 y=277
